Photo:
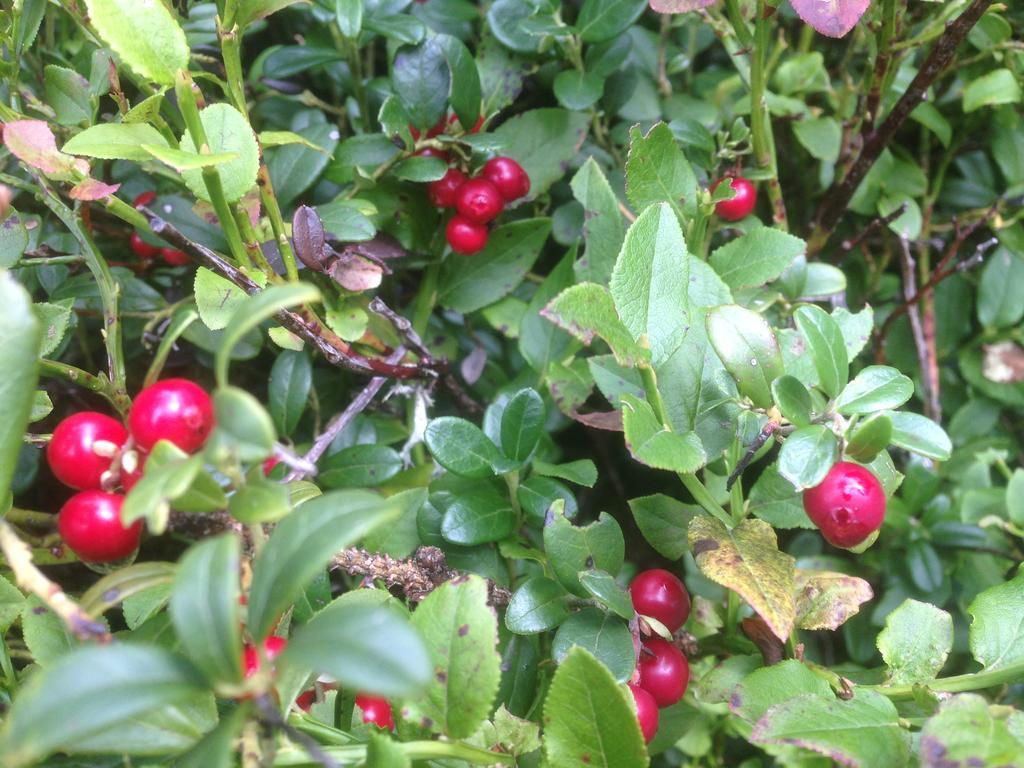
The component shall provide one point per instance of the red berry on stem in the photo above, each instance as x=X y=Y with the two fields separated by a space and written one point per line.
x=466 y=237
x=440 y=154
x=848 y=505
x=141 y=248
x=174 y=257
x=508 y=176
x=376 y=710
x=646 y=712
x=173 y=409
x=144 y=198
x=442 y=192
x=272 y=648
x=306 y=699
x=72 y=452
x=664 y=671
x=662 y=596
x=742 y=203
x=478 y=200
x=90 y=524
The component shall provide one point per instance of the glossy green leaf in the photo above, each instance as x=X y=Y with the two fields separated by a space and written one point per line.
x=291 y=378
x=870 y=437
x=793 y=400
x=260 y=501
x=478 y=516
x=577 y=90
x=146 y=37
x=543 y=141
x=756 y=258
x=522 y=423
x=349 y=16
x=169 y=473
x=422 y=80
x=650 y=443
x=462 y=448
x=604 y=19
x=182 y=161
x=359 y=466
x=875 y=388
x=303 y=543
x=825 y=344
x=465 y=88
x=590 y=719
x=573 y=548
x=537 y=605
x=807 y=456
x=204 y=607
x=602 y=587
x=1000 y=86
x=603 y=635
x=919 y=434
x=21 y=338
x=915 y=642
x=748 y=349
x=244 y=428
x=68 y=93
x=999 y=305
x=664 y=521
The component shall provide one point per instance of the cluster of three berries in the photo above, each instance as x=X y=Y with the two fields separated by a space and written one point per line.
x=478 y=200
x=82 y=451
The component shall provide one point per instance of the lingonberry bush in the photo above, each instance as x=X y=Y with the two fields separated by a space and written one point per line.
x=443 y=383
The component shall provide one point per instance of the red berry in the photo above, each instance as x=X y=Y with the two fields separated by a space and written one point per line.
x=435 y=130
x=376 y=710
x=662 y=596
x=272 y=648
x=848 y=505
x=742 y=203
x=478 y=200
x=646 y=712
x=72 y=452
x=90 y=524
x=144 y=198
x=173 y=409
x=508 y=176
x=141 y=248
x=443 y=191
x=306 y=699
x=466 y=237
x=440 y=154
x=174 y=257
x=269 y=464
x=664 y=672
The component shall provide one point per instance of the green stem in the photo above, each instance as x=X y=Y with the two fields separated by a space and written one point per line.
x=270 y=205
x=211 y=176
x=760 y=121
x=974 y=681
x=739 y=26
x=177 y=327
x=251 y=241
x=732 y=613
x=426 y=298
x=45 y=261
x=414 y=750
x=30 y=517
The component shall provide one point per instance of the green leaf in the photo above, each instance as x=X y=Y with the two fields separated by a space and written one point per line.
x=793 y=400
x=587 y=310
x=169 y=474
x=875 y=388
x=821 y=137
x=478 y=515
x=467 y=285
x=11 y=604
x=244 y=428
x=258 y=308
x=13 y=239
x=68 y=93
x=344 y=641
x=825 y=600
x=54 y=318
x=217 y=748
x=461 y=635
x=748 y=349
x=863 y=731
x=823 y=280
x=919 y=434
x=465 y=80
x=571 y=548
x=603 y=587
x=543 y=141
x=650 y=443
x=756 y=258
x=664 y=521
x=422 y=80
x=828 y=350
x=747 y=560
x=20 y=338
x=294 y=168
x=1014 y=499
x=870 y=437
x=90 y=690
x=589 y=719
x=146 y=37
x=303 y=543
x=182 y=161
x=999 y=305
x=537 y=605
x=604 y=19
x=291 y=379
x=997 y=633
x=581 y=472
x=349 y=15
x=807 y=456
x=603 y=635
x=47 y=637
x=260 y=501
x=603 y=226
x=204 y=607
x=915 y=643
x=650 y=280
x=462 y=448
x=360 y=466
x=227 y=131
x=382 y=752
x=522 y=424
x=541 y=341
x=517 y=735
x=657 y=170
x=965 y=731
x=763 y=688
x=999 y=86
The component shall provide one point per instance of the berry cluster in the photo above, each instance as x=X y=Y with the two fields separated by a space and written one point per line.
x=376 y=711
x=148 y=252
x=83 y=449
x=848 y=506
x=662 y=670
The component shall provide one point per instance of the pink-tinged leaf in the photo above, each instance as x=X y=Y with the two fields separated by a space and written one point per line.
x=679 y=6
x=832 y=18
x=93 y=189
x=32 y=142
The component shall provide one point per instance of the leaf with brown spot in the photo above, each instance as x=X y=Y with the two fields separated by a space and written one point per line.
x=747 y=560
x=826 y=600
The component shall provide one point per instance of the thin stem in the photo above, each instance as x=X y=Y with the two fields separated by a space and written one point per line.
x=760 y=120
x=974 y=681
x=739 y=26
x=414 y=750
x=30 y=517
x=273 y=210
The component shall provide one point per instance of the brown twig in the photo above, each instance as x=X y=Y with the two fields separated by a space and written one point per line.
x=838 y=196
x=417 y=576
x=882 y=221
x=766 y=432
x=19 y=558
x=924 y=345
x=301 y=322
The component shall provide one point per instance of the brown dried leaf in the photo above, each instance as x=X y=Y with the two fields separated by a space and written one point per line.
x=355 y=273
x=825 y=599
x=1003 y=363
